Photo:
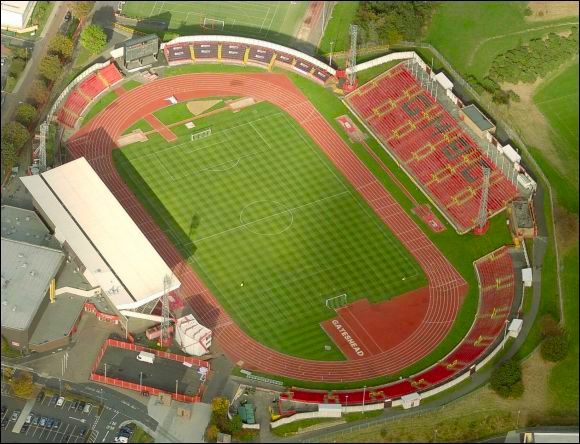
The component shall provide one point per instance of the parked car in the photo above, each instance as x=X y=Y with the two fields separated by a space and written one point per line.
x=42 y=421
x=67 y=16
x=3 y=410
x=87 y=408
x=35 y=420
x=49 y=423
x=40 y=396
x=74 y=405
x=15 y=415
x=66 y=438
x=24 y=427
x=56 y=424
x=53 y=400
x=82 y=433
x=5 y=421
x=29 y=419
x=60 y=402
x=81 y=406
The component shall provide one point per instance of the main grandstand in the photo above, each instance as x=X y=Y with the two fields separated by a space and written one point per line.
x=441 y=157
x=97 y=231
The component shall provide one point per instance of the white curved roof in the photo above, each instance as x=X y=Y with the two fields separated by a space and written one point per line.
x=86 y=215
x=251 y=42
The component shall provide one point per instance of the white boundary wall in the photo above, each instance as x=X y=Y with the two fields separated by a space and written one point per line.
x=251 y=42
x=385 y=59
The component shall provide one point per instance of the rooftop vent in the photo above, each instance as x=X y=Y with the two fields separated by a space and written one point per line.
x=27 y=218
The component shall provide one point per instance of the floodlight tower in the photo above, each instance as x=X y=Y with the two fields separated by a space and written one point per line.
x=40 y=151
x=351 y=68
x=482 y=222
x=166 y=323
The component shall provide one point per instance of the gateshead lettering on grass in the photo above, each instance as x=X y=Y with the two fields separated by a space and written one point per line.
x=348 y=338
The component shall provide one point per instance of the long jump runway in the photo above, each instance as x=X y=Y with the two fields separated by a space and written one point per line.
x=446 y=287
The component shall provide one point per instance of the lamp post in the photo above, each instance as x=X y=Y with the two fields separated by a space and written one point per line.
x=105 y=372
x=435 y=437
x=505 y=332
x=176 y=385
x=331 y=46
x=140 y=381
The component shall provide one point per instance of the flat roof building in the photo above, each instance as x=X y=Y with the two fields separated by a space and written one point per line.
x=15 y=15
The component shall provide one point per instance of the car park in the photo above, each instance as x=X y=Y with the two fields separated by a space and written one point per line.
x=15 y=415
x=74 y=405
x=5 y=421
x=42 y=421
x=87 y=408
x=65 y=438
x=3 y=410
x=29 y=419
x=35 y=420
x=60 y=402
x=53 y=400
x=56 y=424
x=40 y=396
x=81 y=406
x=24 y=427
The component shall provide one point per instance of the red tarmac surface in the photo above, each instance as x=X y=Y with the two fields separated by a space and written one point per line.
x=446 y=287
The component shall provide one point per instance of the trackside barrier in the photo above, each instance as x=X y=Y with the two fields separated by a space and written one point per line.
x=251 y=42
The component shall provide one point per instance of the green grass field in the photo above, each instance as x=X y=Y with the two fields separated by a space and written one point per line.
x=269 y=212
x=558 y=101
x=269 y=20
x=337 y=29
x=471 y=34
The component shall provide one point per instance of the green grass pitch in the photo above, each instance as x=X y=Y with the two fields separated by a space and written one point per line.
x=275 y=21
x=257 y=203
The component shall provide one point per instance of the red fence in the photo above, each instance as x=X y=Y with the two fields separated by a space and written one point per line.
x=145 y=388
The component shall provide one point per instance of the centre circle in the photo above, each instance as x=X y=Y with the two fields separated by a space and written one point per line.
x=266 y=217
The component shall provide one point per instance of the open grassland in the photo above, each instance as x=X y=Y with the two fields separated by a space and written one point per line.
x=471 y=34
x=269 y=20
x=558 y=101
x=336 y=35
x=269 y=224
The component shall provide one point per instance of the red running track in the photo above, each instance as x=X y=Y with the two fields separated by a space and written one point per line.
x=447 y=288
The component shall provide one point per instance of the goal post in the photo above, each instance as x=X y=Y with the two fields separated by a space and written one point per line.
x=201 y=134
x=213 y=24
x=336 y=302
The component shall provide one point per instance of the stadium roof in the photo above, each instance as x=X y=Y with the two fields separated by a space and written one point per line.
x=477 y=117
x=26 y=274
x=116 y=254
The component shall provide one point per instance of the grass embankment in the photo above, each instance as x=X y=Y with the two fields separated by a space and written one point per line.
x=295 y=427
x=336 y=36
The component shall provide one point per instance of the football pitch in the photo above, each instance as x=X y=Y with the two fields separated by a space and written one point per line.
x=277 y=20
x=269 y=224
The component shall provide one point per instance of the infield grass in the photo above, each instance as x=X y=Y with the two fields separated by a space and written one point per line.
x=269 y=223
x=269 y=20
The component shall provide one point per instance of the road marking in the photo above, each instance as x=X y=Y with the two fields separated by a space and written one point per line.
x=105 y=437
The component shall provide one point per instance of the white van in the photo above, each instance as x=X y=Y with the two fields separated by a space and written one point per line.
x=146 y=357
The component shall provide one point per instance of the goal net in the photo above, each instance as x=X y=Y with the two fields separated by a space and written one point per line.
x=201 y=134
x=336 y=301
x=213 y=24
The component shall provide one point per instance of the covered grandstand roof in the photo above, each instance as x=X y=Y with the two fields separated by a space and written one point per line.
x=477 y=117
x=116 y=254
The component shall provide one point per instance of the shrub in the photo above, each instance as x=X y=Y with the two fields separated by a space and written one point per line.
x=554 y=348
x=61 y=45
x=25 y=114
x=16 y=67
x=506 y=379
x=81 y=9
x=16 y=134
x=39 y=93
x=50 y=67
x=94 y=39
x=211 y=433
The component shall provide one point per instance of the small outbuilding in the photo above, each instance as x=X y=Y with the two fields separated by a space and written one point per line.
x=411 y=400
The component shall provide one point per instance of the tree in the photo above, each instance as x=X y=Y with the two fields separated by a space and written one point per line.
x=39 y=92
x=61 y=45
x=211 y=433
x=549 y=326
x=506 y=379
x=93 y=38
x=8 y=152
x=26 y=114
x=554 y=348
x=50 y=67
x=23 y=385
x=16 y=134
x=236 y=424
x=81 y=9
x=219 y=406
